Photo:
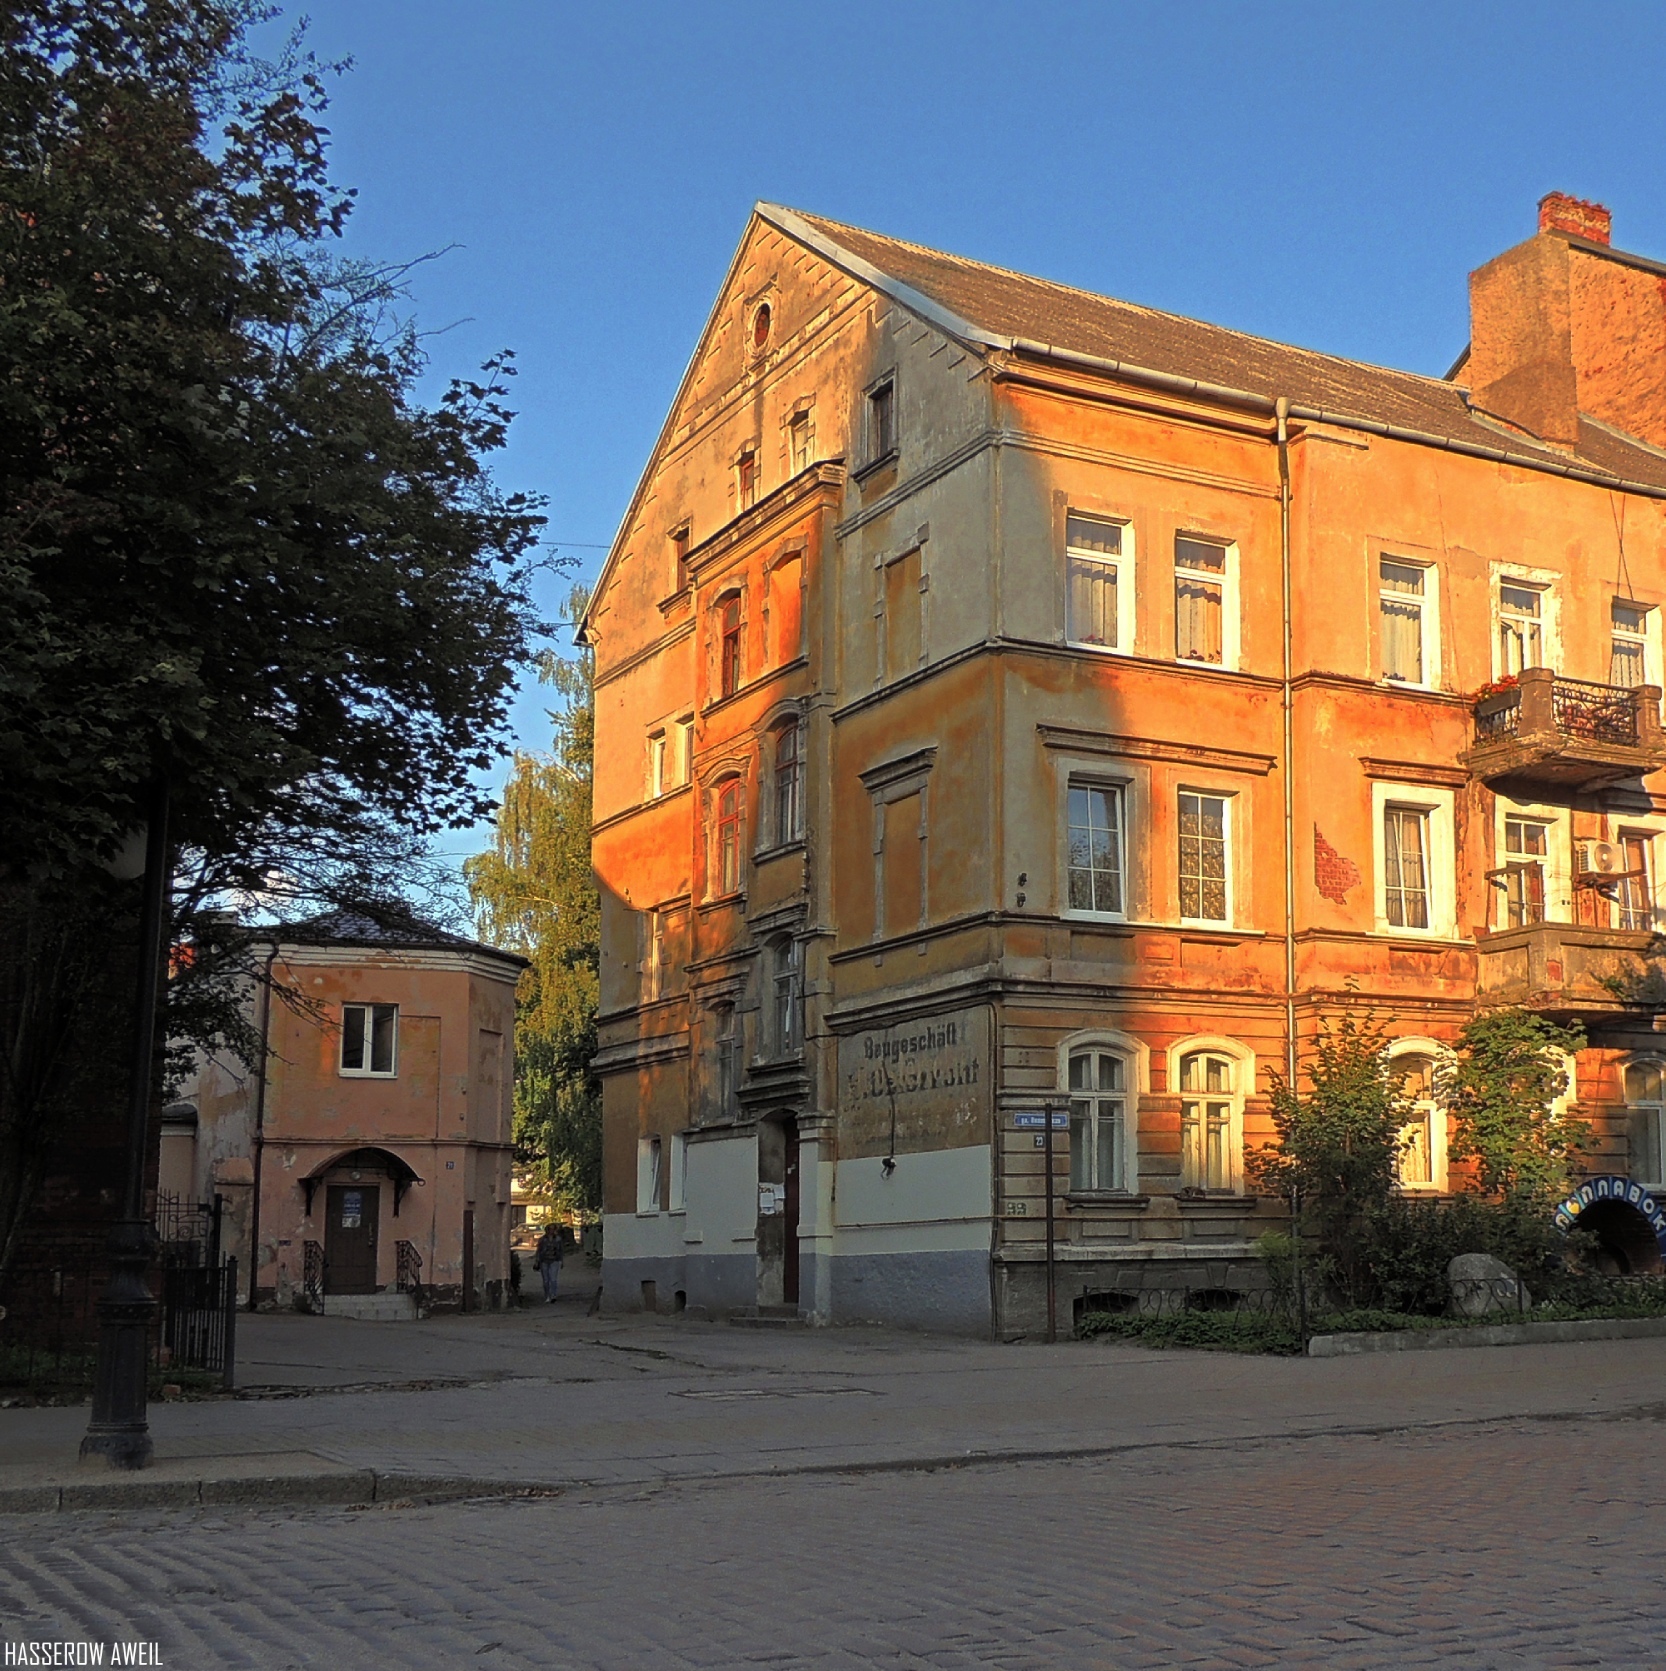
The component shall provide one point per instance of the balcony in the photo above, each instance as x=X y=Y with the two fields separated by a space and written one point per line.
x=1568 y=733
x=1570 y=970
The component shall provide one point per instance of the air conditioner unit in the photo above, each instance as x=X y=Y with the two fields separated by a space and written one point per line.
x=1601 y=858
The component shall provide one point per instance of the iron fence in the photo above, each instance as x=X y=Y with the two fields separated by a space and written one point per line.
x=199 y=1317
x=312 y=1276
x=1598 y=713
x=408 y=1270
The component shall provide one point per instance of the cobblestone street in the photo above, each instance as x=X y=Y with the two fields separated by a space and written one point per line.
x=1517 y=1544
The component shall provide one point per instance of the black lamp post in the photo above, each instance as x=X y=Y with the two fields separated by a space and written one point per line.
x=118 y=1434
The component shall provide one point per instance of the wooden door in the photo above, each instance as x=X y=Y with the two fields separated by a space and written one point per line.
x=350 y=1239
x=789 y=1262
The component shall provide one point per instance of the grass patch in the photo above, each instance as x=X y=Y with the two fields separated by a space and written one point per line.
x=35 y=1377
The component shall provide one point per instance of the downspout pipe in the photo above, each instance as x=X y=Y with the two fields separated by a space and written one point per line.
x=1281 y=412
x=260 y=1119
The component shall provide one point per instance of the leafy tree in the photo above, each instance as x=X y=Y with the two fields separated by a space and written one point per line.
x=535 y=893
x=236 y=551
x=1338 y=1147
x=1499 y=1087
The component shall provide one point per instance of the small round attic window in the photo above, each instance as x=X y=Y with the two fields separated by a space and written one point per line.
x=760 y=325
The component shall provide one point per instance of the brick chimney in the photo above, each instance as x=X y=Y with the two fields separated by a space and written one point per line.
x=1573 y=215
x=1559 y=328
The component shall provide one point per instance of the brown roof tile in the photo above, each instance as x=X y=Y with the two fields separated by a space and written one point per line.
x=1009 y=304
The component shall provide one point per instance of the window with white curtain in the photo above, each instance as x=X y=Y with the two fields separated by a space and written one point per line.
x=1202 y=588
x=1404 y=602
x=1521 y=640
x=1098 y=1119
x=1406 y=866
x=1099 y=580
x=1210 y=1119
x=1645 y=1094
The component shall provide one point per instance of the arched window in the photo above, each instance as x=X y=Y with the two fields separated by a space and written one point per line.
x=727 y=843
x=789 y=783
x=1422 y=1161
x=1417 y=1138
x=787 y=1006
x=1099 y=1124
x=729 y=645
x=1645 y=1092
x=1211 y=1120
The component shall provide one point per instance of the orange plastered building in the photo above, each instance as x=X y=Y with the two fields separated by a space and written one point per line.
x=1018 y=708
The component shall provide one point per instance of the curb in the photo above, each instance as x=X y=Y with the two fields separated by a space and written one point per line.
x=1498 y=1334
x=358 y=1487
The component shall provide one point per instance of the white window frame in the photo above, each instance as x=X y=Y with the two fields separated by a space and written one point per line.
x=1136 y=1064
x=1122 y=565
x=1227 y=580
x=1243 y=1087
x=1649 y=638
x=653 y=955
x=801 y=426
x=679 y=1172
x=367 y=1032
x=685 y=750
x=649 y=1152
x=1429 y=600
x=1439 y=1132
x=1543 y=581
x=1118 y=789
x=1229 y=824
x=1633 y=829
x=784 y=830
x=1558 y=858
x=659 y=763
x=1443 y=908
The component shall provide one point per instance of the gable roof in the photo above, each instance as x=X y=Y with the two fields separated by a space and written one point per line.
x=998 y=309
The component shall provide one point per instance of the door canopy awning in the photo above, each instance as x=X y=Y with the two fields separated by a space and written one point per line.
x=384 y=1162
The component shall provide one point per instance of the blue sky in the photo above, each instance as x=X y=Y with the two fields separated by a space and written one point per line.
x=1322 y=174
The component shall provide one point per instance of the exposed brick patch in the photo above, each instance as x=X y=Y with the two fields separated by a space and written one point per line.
x=1333 y=874
x=1574 y=215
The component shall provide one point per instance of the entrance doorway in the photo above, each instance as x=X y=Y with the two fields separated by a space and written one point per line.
x=350 y=1239
x=778 y=1210
x=789 y=1260
x=1626 y=1244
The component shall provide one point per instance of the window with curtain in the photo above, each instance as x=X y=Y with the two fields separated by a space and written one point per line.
x=1098 y=1120
x=1093 y=569
x=789 y=783
x=729 y=837
x=1401 y=603
x=1203 y=857
x=1520 y=627
x=1416 y=1074
x=1628 y=644
x=1199 y=600
x=1095 y=847
x=1635 y=899
x=1208 y=1099
x=1526 y=844
x=727 y=1033
x=1406 y=866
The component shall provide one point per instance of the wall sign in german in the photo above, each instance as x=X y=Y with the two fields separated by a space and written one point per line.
x=928 y=1079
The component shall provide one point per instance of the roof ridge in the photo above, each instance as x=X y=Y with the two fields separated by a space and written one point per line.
x=833 y=227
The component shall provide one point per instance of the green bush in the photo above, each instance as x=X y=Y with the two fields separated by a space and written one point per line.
x=1212 y=1331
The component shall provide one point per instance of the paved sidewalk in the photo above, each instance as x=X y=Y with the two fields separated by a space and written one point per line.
x=1515 y=1548
x=554 y=1398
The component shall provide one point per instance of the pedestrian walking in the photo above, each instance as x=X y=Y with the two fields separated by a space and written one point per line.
x=547 y=1261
